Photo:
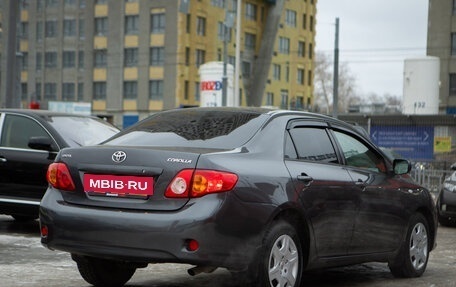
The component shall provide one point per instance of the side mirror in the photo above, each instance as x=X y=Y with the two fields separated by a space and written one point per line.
x=40 y=143
x=401 y=166
x=453 y=166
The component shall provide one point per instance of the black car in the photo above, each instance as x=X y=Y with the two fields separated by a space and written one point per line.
x=29 y=142
x=265 y=194
x=446 y=201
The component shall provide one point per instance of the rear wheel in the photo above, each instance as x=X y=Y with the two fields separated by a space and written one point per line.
x=280 y=261
x=104 y=273
x=414 y=253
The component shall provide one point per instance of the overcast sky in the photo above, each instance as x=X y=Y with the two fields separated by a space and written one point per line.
x=375 y=36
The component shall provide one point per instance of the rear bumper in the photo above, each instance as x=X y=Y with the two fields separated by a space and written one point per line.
x=227 y=235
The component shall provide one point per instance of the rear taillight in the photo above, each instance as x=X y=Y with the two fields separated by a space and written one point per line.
x=199 y=182
x=59 y=176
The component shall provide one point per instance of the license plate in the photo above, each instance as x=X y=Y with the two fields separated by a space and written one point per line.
x=118 y=185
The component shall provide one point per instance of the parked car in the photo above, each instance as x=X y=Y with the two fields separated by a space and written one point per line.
x=265 y=194
x=29 y=142
x=446 y=201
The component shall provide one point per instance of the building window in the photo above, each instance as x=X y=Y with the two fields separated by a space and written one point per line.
x=82 y=4
x=130 y=90
x=101 y=1
x=24 y=88
x=101 y=58
x=276 y=70
x=68 y=91
x=131 y=25
x=157 y=56
x=70 y=2
x=452 y=84
x=186 y=91
x=50 y=59
x=201 y=26
x=39 y=31
x=290 y=18
x=156 y=90
x=187 y=56
x=80 y=92
x=188 y=20
x=101 y=26
x=310 y=50
x=69 y=59
x=69 y=27
x=246 y=69
x=309 y=78
x=284 y=45
x=24 y=61
x=38 y=91
x=301 y=49
x=300 y=76
x=81 y=59
x=250 y=41
x=157 y=23
x=39 y=61
x=250 y=11
x=284 y=99
x=131 y=57
x=218 y=3
x=51 y=29
x=24 y=30
x=200 y=57
x=304 y=21
x=311 y=23
x=81 y=29
x=99 y=90
x=454 y=7
x=50 y=91
x=197 y=91
x=52 y=3
x=270 y=99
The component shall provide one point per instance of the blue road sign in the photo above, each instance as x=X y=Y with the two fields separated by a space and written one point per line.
x=412 y=142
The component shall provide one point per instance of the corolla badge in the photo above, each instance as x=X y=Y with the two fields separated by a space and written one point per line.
x=119 y=156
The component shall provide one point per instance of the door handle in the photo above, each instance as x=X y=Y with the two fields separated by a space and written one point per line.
x=305 y=178
x=360 y=183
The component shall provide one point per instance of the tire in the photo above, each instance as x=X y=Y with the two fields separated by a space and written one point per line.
x=280 y=261
x=104 y=273
x=413 y=256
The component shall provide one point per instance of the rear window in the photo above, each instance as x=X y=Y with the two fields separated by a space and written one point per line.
x=82 y=131
x=201 y=128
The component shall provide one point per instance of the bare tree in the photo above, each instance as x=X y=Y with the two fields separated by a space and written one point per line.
x=323 y=84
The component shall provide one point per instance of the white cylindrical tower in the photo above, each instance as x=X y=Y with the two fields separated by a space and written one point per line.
x=211 y=84
x=421 y=86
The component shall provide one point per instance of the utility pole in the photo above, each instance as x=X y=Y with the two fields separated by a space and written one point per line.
x=11 y=96
x=237 y=65
x=228 y=24
x=336 y=73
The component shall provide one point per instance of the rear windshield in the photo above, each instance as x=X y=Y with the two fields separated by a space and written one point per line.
x=82 y=131
x=224 y=129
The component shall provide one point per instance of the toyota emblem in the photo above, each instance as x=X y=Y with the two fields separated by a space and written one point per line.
x=119 y=156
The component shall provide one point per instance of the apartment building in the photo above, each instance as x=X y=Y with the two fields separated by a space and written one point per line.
x=130 y=58
x=441 y=42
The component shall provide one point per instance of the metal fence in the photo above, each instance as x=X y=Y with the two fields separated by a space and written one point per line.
x=429 y=176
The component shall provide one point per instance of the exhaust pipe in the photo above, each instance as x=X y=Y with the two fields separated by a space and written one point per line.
x=200 y=269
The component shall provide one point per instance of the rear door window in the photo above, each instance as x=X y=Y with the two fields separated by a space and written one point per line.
x=313 y=144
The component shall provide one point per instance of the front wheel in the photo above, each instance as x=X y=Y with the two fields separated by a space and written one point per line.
x=281 y=260
x=104 y=273
x=413 y=256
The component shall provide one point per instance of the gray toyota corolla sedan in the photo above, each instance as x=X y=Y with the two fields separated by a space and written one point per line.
x=266 y=194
